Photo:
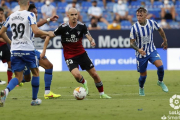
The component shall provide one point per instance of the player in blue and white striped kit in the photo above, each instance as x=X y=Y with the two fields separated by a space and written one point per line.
x=23 y=24
x=141 y=37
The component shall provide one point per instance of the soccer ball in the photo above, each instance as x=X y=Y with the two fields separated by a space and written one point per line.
x=79 y=93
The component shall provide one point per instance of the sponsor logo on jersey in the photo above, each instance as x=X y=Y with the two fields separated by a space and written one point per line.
x=72 y=39
x=67 y=33
x=73 y=36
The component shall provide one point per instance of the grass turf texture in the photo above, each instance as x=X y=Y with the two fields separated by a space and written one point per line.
x=122 y=86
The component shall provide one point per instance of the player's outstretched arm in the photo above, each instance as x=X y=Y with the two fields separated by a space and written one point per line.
x=45 y=47
x=4 y=36
x=44 y=21
x=162 y=34
x=39 y=32
x=134 y=46
x=91 y=40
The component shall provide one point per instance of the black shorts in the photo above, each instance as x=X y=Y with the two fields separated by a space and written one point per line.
x=5 y=54
x=82 y=60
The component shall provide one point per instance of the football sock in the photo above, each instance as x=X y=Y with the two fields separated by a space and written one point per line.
x=142 y=80
x=99 y=86
x=47 y=80
x=47 y=92
x=9 y=74
x=160 y=73
x=81 y=80
x=12 y=84
x=7 y=91
x=35 y=87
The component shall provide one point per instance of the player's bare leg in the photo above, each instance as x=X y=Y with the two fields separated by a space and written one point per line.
x=27 y=78
x=160 y=73
x=48 y=66
x=79 y=78
x=98 y=82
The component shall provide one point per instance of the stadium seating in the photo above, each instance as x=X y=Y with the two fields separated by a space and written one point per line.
x=53 y=25
x=108 y=14
x=61 y=7
x=39 y=16
x=85 y=6
x=110 y=6
x=38 y=6
x=8 y=5
x=14 y=4
x=85 y=17
x=54 y=4
x=60 y=20
x=125 y=25
x=102 y=25
x=174 y=25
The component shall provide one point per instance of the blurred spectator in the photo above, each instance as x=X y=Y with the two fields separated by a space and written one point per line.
x=7 y=11
x=164 y=24
x=114 y=25
x=94 y=25
x=168 y=10
x=96 y=12
x=121 y=11
x=48 y=10
x=74 y=5
x=143 y=4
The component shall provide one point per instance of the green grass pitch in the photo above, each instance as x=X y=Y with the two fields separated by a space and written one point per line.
x=122 y=86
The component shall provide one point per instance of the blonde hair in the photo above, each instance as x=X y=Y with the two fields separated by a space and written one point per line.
x=23 y=2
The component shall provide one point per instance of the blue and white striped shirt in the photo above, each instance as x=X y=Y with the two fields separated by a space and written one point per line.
x=144 y=36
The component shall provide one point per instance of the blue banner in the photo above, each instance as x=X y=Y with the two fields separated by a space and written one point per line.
x=117 y=59
x=112 y=39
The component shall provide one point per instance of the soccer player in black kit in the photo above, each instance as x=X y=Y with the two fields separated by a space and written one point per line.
x=71 y=38
x=5 y=54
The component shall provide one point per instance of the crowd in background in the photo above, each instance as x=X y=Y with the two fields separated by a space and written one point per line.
x=103 y=14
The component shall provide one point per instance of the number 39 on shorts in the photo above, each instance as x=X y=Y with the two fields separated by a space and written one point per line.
x=69 y=61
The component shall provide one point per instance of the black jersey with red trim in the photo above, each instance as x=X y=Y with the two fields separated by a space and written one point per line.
x=71 y=39
x=1 y=43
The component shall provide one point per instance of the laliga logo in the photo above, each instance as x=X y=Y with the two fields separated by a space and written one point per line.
x=164 y=117
x=175 y=101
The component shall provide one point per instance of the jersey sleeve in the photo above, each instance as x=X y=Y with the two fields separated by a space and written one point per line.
x=85 y=30
x=32 y=19
x=156 y=26
x=132 y=33
x=6 y=23
x=58 y=31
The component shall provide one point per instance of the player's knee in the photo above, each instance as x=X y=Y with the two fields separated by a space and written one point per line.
x=50 y=66
x=27 y=78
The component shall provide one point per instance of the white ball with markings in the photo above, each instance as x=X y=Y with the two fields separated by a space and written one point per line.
x=79 y=93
